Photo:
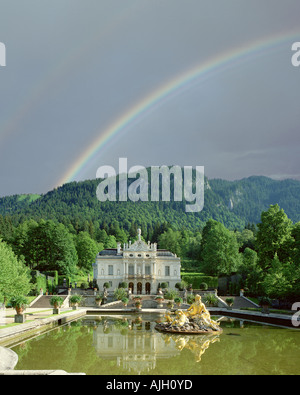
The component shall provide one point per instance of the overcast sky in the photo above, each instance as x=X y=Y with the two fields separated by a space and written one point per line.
x=74 y=67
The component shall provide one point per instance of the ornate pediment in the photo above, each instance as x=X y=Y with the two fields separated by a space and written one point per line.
x=139 y=245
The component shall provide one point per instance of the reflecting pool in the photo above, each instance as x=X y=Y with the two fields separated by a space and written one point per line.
x=119 y=345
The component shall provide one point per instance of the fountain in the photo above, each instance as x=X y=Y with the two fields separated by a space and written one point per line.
x=196 y=320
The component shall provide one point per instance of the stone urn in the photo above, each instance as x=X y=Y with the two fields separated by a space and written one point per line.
x=265 y=303
x=98 y=301
x=159 y=299
x=19 y=303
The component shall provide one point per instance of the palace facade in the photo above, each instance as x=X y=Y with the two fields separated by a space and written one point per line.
x=142 y=266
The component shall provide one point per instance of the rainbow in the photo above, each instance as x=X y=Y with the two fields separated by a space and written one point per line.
x=173 y=88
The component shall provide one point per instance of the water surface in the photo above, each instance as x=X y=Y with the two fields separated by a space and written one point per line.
x=112 y=345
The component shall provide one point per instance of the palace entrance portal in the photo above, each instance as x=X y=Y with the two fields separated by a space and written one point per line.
x=148 y=289
x=139 y=288
x=131 y=285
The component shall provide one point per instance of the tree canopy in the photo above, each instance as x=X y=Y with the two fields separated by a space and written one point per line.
x=219 y=252
x=14 y=275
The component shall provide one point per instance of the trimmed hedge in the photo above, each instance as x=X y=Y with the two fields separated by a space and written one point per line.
x=46 y=281
x=197 y=279
x=61 y=280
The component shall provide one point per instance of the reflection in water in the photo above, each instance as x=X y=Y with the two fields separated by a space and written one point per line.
x=137 y=346
x=197 y=344
x=118 y=345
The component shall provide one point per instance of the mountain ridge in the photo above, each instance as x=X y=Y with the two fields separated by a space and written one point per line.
x=234 y=203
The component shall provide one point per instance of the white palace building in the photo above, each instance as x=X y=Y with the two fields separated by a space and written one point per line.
x=142 y=266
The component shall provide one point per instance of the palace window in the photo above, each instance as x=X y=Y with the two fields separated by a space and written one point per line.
x=131 y=270
x=110 y=270
x=147 y=270
x=167 y=271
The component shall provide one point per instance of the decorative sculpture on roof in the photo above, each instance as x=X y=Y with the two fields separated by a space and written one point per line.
x=139 y=234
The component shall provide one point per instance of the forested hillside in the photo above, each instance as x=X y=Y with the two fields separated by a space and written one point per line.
x=249 y=227
x=233 y=203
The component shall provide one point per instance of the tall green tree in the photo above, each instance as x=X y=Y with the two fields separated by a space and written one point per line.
x=14 y=275
x=20 y=241
x=252 y=273
x=87 y=249
x=296 y=244
x=273 y=236
x=276 y=283
x=170 y=240
x=295 y=264
x=193 y=249
x=219 y=252
x=51 y=247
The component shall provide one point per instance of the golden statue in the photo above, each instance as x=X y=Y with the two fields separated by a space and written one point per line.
x=168 y=317
x=180 y=319
x=198 y=311
x=194 y=320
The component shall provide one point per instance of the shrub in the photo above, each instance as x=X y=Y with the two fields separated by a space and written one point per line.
x=56 y=301
x=91 y=284
x=264 y=301
x=138 y=302
x=171 y=294
x=178 y=301
x=181 y=285
x=74 y=299
x=120 y=293
x=197 y=279
x=53 y=273
x=211 y=299
x=190 y=299
x=203 y=286
x=98 y=299
x=125 y=301
x=229 y=301
x=19 y=302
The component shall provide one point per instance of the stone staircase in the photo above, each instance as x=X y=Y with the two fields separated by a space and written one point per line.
x=147 y=302
x=44 y=301
x=238 y=302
